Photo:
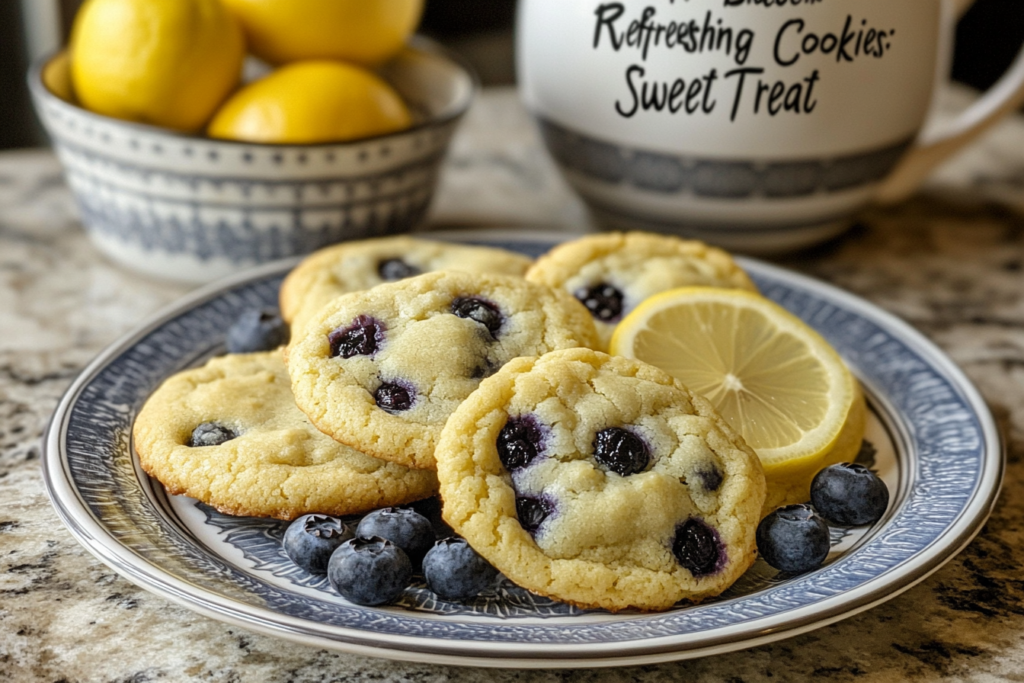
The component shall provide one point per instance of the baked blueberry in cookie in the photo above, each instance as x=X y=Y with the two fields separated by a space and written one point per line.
x=600 y=481
x=391 y=269
x=611 y=273
x=483 y=312
x=382 y=370
x=362 y=337
x=697 y=547
x=210 y=434
x=519 y=442
x=604 y=301
x=621 y=451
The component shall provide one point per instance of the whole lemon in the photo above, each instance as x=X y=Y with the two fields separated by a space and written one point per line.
x=313 y=101
x=165 y=62
x=362 y=31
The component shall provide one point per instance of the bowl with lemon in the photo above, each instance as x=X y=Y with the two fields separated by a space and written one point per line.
x=201 y=137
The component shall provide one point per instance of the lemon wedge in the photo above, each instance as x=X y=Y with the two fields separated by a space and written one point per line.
x=774 y=379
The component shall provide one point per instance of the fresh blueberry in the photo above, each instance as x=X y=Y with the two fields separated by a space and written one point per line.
x=395 y=269
x=519 y=442
x=211 y=434
x=362 y=338
x=369 y=571
x=603 y=301
x=483 y=312
x=532 y=512
x=454 y=571
x=849 y=494
x=393 y=398
x=408 y=529
x=710 y=477
x=621 y=451
x=257 y=329
x=310 y=540
x=697 y=547
x=793 y=539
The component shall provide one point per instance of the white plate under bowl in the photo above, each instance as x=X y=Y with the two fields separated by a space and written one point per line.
x=930 y=436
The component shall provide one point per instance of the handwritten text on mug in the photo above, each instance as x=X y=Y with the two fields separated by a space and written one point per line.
x=743 y=84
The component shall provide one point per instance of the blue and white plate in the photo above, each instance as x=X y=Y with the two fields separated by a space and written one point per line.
x=930 y=437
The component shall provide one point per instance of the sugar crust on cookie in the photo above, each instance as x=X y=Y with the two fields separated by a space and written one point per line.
x=279 y=465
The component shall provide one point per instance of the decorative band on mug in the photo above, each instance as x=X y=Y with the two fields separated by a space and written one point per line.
x=659 y=173
x=714 y=178
x=725 y=179
x=619 y=218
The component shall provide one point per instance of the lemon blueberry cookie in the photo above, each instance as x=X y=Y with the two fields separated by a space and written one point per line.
x=355 y=266
x=600 y=481
x=230 y=435
x=611 y=273
x=381 y=370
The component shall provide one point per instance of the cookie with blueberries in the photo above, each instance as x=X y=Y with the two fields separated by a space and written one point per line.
x=359 y=265
x=382 y=370
x=611 y=273
x=600 y=481
x=229 y=434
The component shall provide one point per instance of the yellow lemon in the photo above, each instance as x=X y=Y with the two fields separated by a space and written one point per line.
x=164 y=62
x=316 y=101
x=774 y=379
x=362 y=31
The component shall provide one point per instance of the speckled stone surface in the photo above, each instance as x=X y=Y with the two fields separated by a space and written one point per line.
x=950 y=262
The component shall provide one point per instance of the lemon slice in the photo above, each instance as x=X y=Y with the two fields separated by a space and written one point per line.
x=774 y=379
x=789 y=488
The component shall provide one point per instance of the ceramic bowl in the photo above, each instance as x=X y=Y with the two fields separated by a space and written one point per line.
x=193 y=209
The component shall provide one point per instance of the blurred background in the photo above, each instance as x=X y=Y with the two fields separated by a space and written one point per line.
x=988 y=37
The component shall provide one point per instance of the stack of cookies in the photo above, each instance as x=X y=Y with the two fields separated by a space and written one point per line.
x=417 y=367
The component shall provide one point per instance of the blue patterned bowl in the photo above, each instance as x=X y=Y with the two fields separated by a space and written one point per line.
x=193 y=209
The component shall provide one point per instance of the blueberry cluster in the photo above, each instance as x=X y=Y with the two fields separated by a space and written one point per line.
x=796 y=538
x=374 y=563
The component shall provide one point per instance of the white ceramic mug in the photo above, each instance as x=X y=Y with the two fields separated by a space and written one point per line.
x=760 y=125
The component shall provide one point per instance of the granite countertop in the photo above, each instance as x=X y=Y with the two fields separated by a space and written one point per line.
x=950 y=262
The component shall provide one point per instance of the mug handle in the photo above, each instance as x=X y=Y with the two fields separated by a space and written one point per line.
x=1002 y=99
